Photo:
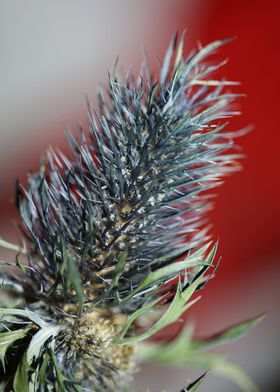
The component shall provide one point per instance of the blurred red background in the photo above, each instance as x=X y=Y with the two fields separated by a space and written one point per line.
x=53 y=53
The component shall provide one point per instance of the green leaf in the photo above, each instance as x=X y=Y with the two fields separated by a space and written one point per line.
x=43 y=368
x=24 y=313
x=74 y=278
x=21 y=383
x=7 y=339
x=186 y=351
x=38 y=341
x=173 y=269
x=228 y=335
x=181 y=353
x=223 y=367
x=72 y=275
x=177 y=307
x=177 y=352
x=119 y=268
x=131 y=318
x=60 y=377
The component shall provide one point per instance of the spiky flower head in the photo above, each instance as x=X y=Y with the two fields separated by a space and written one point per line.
x=118 y=228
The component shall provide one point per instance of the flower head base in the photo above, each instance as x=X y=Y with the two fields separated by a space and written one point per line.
x=88 y=340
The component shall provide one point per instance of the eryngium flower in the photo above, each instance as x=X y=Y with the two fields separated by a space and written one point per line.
x=118 y=228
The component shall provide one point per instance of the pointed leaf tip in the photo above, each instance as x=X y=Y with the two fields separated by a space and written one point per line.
x=193 y=387
x=230 y=334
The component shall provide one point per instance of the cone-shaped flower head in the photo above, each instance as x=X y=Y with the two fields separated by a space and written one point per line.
x=118 y=227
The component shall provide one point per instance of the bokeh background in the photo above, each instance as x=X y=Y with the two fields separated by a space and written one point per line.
x=52 y=52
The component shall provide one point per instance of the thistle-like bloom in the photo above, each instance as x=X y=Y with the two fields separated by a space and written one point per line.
x=115 y=236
